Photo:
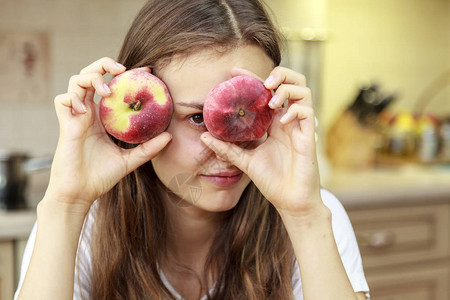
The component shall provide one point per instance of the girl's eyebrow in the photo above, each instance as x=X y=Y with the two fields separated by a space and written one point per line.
x=198 y=105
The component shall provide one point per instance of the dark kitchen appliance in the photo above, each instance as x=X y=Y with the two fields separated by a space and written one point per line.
x=14 y=170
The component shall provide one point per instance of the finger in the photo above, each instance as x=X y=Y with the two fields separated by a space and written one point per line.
x=292 y=93
x=104 y=65
x=146 y=151
x=302 y=113
x=299 y=125
x=281 y=75
x=68 y=104
x=80 y=83
x=227 y=151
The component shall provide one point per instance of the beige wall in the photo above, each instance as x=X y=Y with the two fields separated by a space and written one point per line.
x=403 y=44
x=299 y=13
x=80 y=31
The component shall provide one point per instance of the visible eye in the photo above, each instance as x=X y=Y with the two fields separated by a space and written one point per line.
x=197 y=120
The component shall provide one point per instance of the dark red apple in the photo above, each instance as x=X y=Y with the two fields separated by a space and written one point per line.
x=138 y=109
x=237 y=110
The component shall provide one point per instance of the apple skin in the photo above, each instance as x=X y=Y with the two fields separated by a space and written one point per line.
x=237 y=110
x=138 y=108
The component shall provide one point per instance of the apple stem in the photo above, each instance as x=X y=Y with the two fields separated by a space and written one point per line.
x=241 y=112
x=136 y=105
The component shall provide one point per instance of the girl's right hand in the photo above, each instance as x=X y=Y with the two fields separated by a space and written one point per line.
x=87 y=163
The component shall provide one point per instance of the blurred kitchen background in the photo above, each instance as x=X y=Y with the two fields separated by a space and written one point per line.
x=379 y=72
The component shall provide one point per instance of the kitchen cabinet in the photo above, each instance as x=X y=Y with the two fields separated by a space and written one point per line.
x=15 y=227
x=6 y=270
x=395 y=235
x=401 y=219
x=405 y=250
x=423 y=282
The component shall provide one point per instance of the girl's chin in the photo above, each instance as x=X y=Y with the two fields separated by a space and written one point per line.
x=211 y=200
x=220 y=200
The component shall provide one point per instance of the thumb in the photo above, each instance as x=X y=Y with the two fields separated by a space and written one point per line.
x=227 y=151
x=146 y=151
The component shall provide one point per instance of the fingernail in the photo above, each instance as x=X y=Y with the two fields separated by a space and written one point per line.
x=273 y=101
x=283 y=118
x=83 y=107
x=106 y=88
x=120 y=65
x=269 y=80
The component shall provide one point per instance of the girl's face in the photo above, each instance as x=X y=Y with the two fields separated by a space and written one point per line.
x=193 y=172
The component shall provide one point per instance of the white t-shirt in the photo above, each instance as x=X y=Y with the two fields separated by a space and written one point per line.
x=343 y=234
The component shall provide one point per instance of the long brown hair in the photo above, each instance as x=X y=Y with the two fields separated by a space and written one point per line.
x=251 y=255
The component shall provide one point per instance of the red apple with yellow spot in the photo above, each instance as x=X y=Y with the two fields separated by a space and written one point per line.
x=238 y=109
x=138 y=108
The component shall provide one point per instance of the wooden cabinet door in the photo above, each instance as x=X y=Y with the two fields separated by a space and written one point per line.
x=402 y=235
x=429 y=282
x=6 y=270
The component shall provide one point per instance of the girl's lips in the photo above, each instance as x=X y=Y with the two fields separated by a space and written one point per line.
x=223 y=179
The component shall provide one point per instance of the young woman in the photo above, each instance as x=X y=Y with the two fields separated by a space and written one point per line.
x=258 y=218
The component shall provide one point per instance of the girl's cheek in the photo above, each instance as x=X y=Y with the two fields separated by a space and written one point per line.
x=186 y=146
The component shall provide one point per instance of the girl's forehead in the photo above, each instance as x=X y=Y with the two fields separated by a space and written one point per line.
x=191 y=77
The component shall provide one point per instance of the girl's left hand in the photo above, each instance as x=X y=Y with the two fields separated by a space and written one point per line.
x=284 y=167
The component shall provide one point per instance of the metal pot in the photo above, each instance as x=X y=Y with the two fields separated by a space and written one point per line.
x=14 y=170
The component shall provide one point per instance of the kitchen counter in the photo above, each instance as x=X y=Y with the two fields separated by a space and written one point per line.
x=411 y=184
x=16 y=225
x=384 y=186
